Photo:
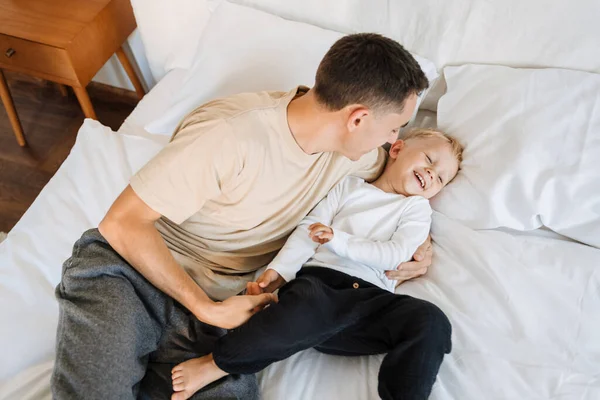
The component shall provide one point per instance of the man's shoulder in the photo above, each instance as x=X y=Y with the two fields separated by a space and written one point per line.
x=232 y=107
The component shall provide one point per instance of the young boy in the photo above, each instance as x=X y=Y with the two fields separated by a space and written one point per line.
x=339 y=299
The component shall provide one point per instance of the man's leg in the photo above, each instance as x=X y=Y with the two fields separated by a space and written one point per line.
x=184 y=338
x=110 y=320
x=414 y=333
x=119 y=336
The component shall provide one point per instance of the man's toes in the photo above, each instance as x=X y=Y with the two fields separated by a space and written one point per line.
x=178 y=387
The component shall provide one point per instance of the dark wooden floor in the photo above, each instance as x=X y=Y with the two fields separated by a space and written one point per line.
x=50 y=122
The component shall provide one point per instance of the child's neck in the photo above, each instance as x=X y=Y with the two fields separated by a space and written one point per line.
x=383 y=184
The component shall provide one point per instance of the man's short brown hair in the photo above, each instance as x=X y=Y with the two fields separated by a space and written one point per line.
x=368 y=69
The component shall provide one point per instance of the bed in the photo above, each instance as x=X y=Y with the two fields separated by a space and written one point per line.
x=517 y=275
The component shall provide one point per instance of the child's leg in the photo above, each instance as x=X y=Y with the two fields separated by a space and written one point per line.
x=309 y=311
x=414 y=333
x=312 y=308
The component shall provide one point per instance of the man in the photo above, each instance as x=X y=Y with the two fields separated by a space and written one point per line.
x=156 y=283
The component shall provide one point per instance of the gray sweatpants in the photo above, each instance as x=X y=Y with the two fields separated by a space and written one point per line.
x=119 y=336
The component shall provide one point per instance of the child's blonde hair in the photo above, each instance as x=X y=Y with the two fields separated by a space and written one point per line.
x=457 y=149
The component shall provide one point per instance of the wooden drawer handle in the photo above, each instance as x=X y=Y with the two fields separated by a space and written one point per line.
x=10 y=52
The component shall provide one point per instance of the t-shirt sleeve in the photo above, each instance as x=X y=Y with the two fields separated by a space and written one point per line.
x=299 y=247
x=411 y=232
x=370 y=166
x=198 y=165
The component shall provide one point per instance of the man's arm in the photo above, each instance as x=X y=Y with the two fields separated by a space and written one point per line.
x=202 y=159
x=129 y=229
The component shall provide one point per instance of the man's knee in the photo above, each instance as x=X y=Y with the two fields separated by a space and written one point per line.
x=80 y=276
x=91 y=263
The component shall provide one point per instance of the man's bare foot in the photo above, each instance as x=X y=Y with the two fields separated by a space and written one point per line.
x=192 y=375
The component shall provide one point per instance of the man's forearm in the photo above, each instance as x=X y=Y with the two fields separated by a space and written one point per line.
x=143 y=247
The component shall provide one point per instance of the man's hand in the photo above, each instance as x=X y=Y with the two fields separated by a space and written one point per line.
x=320 y=233
x=236 y=310
x=417 y=267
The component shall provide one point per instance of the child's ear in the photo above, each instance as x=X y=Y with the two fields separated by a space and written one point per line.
x=396 y=148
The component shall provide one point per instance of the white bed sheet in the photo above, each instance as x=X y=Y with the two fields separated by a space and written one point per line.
x=525 y=318
x=523 y=308
x=74 y=200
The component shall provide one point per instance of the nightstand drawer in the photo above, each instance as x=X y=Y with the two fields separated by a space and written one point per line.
x=36 y=59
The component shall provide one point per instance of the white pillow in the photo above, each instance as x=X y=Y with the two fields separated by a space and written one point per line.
x=246 y=50
x=170 y=31
x=516 y=33
x=532 y=149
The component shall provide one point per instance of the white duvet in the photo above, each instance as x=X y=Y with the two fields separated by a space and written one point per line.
x=524 y=308
x=525 y=316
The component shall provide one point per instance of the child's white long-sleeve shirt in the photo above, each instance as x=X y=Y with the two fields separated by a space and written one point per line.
x=374 y=231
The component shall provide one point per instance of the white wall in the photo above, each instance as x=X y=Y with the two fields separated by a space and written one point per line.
x=113 y=74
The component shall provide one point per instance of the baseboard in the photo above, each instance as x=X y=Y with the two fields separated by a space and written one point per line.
x=102 y=90
x=96 y=90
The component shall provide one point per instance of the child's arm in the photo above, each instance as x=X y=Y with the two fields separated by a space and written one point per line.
x=411 y=232
x=299 y=247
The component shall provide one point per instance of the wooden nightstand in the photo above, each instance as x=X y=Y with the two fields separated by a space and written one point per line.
x=65 y=41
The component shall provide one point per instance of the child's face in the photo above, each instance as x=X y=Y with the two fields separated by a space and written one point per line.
x=421 y=166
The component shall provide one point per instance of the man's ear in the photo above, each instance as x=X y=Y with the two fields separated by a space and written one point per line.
x=396 y=148
x=357 y=116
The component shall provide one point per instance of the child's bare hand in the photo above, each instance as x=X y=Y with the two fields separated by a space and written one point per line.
x=268 y=282
x=320 y=233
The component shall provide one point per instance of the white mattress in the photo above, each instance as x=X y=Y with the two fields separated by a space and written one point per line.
x=524 y=308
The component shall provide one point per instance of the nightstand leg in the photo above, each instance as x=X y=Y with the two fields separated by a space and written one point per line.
x=85 y=102
x=11 y=111
x=139 y=89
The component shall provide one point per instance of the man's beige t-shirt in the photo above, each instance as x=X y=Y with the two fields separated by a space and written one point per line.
x=233 y=184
